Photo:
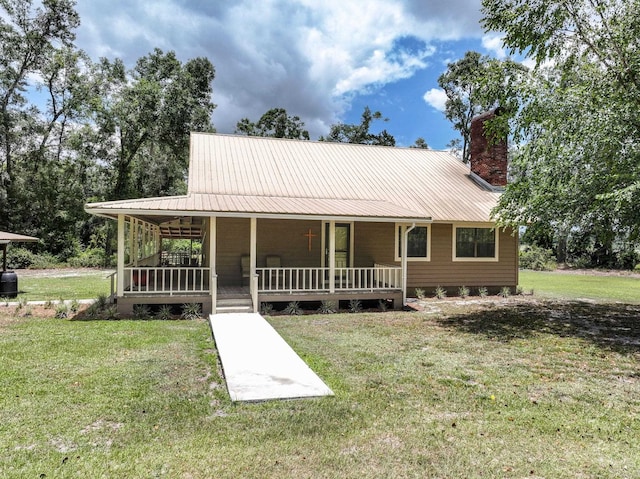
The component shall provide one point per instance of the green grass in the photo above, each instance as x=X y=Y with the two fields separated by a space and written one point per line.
x=496 y=389
x=56 y=285
x=586 y=286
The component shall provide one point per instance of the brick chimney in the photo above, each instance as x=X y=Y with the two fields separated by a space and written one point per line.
x=489 y=162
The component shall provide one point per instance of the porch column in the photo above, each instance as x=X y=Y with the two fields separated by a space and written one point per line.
x=253 y=283
x=120 y=285
x=332 y=256
x=405 y=244
x=213 y=283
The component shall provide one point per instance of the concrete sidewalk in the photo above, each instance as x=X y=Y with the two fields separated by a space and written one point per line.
x=258 y=364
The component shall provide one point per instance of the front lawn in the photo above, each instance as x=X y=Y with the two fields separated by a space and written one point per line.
x=593 y=285
x=510 y=389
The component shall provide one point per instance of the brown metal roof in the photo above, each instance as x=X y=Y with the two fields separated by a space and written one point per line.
x=266 y=176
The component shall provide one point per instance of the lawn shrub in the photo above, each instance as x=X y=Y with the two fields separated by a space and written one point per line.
x=355 y=306
x=191 y=311
x=89 y=258
x=327 y=307
x=537 y=258
x=440 y=292
x=22 y=258
x=293 y=309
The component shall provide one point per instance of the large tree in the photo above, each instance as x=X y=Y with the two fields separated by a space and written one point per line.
x=141 y=125
x=32 y=40
x=275 y=123
x=477 y=83
x=360 y=133
x=578 y=165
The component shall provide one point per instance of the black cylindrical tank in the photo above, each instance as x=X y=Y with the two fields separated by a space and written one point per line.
x=8 y=284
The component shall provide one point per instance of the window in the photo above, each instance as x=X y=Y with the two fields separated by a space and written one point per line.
x=418 y=248
x=474 y=243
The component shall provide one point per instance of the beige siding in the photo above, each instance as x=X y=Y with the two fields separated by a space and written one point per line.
x=286 y=238
x=443 y=271
x=374 y=242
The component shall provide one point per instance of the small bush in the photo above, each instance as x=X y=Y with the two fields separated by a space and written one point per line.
x=266 y=309
x=420 y=293
x=440 y=292
x=483 y=292
x=191 y=311
x=74 y=306
x=141 y=311
x=327 y=307
x=355 y=306
x=519 y=290
x=463 y=291
x=61 y=311
x=165 y=313
x=537 y=258
x=293 y=309
x=21 y=258
x=505 y=292
x=382 y=305
x=89 y=258
x=110 y=312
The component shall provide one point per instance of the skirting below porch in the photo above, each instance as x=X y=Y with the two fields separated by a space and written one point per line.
x=394 y=295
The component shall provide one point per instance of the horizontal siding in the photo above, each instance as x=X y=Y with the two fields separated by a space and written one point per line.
x=286 y=238
x=443 y=271
x=373 y=243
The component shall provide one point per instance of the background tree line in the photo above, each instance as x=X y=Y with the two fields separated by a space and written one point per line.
x=73 y=130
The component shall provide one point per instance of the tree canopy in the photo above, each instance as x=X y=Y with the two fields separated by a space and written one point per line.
x=275 y=123
x=577 y=165
x=96 y=131
x=352 y=133
x=476 y=84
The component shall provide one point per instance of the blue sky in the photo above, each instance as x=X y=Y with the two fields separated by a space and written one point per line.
x=323 y=61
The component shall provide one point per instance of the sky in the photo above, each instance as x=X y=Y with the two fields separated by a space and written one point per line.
x=323 y=61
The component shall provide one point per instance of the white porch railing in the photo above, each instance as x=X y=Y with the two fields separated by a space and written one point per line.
x=167 y=281
x=291 y=280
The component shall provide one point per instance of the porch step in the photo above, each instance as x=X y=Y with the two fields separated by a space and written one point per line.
x=234 y=305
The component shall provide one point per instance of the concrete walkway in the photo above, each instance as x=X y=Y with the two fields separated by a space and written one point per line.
x=258 y=364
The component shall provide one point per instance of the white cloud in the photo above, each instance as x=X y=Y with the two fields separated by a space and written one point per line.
x=437 y=98
x=306 y=56
x=493 y=43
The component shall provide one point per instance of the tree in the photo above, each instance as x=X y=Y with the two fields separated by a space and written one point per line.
x=351 y=133
x=143 y=120
x=28 y=39
x=578 y=165
x=420 y=143
x=275 y=123
x=475 y=84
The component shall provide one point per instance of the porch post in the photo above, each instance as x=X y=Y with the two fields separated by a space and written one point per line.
x=253 y=285
x=332 y=256
x=213 y=283
x=120 y=268
x=405 y=244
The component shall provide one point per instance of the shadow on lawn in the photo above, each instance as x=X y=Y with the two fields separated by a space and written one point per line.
x=610 y=326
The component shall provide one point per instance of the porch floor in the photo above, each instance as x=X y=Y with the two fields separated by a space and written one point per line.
x=258 y=364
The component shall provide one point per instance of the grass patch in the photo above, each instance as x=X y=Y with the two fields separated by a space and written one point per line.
x=56 y=284
x=512 y=389
x=576 y=285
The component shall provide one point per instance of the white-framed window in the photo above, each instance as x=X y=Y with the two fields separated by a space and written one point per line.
x=475 y=243
x=418 y=242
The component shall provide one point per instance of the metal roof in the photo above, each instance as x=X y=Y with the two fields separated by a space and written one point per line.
x=241 y=175
x=16 y=238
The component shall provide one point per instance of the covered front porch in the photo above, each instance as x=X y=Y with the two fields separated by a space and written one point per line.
x=254 y=260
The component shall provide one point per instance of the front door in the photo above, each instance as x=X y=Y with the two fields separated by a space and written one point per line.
x=343 y=245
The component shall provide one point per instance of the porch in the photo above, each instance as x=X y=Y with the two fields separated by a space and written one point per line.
x=166 y=285
x=253 y=261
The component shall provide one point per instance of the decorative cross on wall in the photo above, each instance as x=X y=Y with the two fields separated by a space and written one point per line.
x=309 y=235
